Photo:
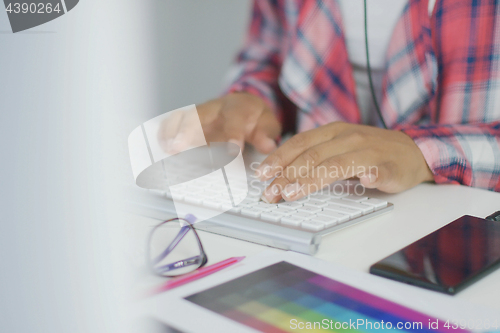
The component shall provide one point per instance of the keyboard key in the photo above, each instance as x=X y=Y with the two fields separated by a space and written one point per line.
x=219 y=187
x=193 y=190
x=250 y=212
x=338 y=194
x=309 y=209
x=270 y=216
x=303 y=215
x=212 y=204
x=290 y=205
x=194 y=199
x=364 y=208
x=331 y=214
x=235 y=209
x=321 y=197
x=177 y=196
x=204 y=196
x=313 y=225
x=249 y=203
x=316 y=203
x=211 y=193
x=326 y=221
x=180 y=189
x=267 y=206
x=262 y=208
x=291 y=220
x=355 y=198
x=376 y=203
x=226 y=206
x=344 y=210
x=283 y=211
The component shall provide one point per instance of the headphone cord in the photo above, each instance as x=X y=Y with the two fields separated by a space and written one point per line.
x=370 y=70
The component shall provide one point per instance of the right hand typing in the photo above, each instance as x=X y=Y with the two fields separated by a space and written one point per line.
x=236 y=118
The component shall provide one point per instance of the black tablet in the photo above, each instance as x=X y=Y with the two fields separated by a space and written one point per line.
x=449 y=259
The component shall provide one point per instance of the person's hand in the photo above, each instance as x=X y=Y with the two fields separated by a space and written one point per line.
x=384 y=159
x=236 y=118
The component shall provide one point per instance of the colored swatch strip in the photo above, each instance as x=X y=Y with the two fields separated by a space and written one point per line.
x=286 y=298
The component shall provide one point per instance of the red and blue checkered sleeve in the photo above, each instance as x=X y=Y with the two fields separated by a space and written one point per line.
x=466 y=154
x=258 y=64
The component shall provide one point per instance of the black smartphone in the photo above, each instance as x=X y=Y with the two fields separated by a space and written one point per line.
x=449 y=259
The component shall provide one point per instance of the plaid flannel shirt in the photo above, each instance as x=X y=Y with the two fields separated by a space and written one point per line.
x=441 y=87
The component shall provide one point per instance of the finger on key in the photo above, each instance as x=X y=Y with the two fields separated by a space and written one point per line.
x=189 y=134
x=168 y=130
x=291 y=149
x=339 y=167
x=181 y=128
x=240 y=119
x=305 y=165
x=266 y=131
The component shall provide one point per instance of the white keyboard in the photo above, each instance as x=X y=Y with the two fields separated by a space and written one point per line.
x=296 y=226
x=317 y=212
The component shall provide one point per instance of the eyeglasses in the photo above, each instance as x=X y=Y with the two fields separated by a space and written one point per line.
x=174 y=248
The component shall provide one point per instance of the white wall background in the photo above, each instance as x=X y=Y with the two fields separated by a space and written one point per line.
x=198 y=39
x=66 y=87
x=70 y=92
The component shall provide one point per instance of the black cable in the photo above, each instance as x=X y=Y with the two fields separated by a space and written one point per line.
x=494 y=217
x=370 y=70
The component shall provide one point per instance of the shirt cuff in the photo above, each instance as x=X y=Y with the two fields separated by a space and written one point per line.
x=437 y=156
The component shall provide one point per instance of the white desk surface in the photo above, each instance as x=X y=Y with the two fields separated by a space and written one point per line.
x=417 y=212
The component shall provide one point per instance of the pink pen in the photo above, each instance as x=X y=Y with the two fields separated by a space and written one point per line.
x=197 y=274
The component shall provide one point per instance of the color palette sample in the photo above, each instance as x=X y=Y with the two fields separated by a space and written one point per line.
x=286 y=298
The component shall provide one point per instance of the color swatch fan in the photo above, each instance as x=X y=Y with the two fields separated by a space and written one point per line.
x=286 y=298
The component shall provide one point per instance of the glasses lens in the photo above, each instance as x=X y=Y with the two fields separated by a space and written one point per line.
x=174 y=249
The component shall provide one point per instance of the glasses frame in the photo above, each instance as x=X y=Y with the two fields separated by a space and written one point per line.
x=199 y=260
